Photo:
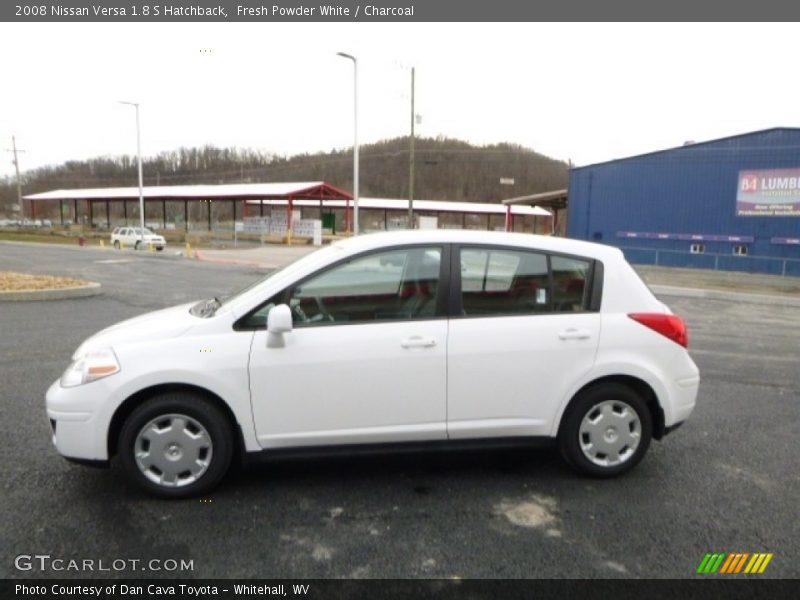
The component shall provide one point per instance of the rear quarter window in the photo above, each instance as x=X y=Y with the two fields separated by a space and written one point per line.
x=571 y=283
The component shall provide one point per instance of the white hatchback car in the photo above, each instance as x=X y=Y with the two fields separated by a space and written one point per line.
x=424 y=338
x=133 y=238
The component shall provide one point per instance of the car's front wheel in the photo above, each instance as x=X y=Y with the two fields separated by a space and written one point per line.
x=606 y=430
x=116 y=244
x=176 y=445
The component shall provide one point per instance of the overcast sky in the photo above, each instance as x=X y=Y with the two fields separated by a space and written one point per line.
x=585 y=92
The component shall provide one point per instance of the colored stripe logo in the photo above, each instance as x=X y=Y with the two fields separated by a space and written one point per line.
x=734 y=563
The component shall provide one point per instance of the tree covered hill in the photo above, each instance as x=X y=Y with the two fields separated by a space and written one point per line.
x=445 y=169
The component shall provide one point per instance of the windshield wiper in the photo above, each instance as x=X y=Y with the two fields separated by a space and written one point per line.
x=206 y=308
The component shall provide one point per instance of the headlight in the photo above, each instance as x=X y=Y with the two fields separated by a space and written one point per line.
x=90 y=367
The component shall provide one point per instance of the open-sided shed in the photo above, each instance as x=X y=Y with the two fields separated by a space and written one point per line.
x=464 y=215
x=306 y=190
x=555 y=200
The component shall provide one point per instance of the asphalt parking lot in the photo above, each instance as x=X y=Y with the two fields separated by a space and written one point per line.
x=727 y=481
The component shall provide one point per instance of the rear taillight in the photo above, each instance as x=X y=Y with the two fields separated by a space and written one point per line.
x=670 y=326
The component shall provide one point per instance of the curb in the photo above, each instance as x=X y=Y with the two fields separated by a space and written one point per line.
x=711 y=294
x=231 y=261
x=84 y=291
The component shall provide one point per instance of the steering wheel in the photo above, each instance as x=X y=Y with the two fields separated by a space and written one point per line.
x=302 y=317
x=323 y=314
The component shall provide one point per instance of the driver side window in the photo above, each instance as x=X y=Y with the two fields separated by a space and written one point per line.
x=384 y=286
x=399 y=284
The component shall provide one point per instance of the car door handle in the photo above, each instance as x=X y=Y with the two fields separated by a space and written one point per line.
x=418 y=341
x=574 y=334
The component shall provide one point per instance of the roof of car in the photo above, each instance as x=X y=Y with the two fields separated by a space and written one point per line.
x=463 y=236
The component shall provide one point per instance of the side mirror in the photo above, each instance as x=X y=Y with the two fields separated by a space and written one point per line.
x=279 y=322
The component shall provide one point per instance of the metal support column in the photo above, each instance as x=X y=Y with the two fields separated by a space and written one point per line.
x=289 y=209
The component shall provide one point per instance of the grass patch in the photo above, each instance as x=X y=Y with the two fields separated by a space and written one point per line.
x=11 y=281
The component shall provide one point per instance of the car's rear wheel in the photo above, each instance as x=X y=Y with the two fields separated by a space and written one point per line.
x=176 y=445
x=606 y=431
x=137 y=244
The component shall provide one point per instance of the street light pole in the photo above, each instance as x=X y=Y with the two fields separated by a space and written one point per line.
x=355 y=138
x=139 y=161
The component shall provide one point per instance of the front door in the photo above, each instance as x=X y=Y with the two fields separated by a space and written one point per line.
x=366 y=359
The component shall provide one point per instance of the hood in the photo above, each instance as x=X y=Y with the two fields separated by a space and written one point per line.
x=158 y=325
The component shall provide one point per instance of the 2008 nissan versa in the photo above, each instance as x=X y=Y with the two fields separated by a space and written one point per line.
x=427 y=338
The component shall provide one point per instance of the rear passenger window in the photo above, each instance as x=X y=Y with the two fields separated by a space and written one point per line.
x=503 y=282
x=514 y=282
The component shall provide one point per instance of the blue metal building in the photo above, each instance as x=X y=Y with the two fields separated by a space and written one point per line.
x=730 y=204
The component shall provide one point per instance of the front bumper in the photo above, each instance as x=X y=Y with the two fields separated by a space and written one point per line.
x=79 y=428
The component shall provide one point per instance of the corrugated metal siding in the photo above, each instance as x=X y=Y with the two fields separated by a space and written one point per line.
x=691 y=189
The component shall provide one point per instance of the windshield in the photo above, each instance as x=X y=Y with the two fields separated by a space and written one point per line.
x=241 y=291
x=253 y=289
x=207 y=308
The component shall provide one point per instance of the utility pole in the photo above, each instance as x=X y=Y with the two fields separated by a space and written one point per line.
x=16 y=167
x=411 y=160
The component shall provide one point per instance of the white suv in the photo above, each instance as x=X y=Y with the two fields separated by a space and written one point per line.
x=423 y=338
x=132 y=237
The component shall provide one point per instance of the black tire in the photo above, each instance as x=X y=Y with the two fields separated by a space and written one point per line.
x=116 y=244
x=159 y=248
x=619 y=400
x=137 y=244
x=200 y=413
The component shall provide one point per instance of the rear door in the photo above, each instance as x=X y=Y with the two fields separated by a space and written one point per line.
x=525 y=328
